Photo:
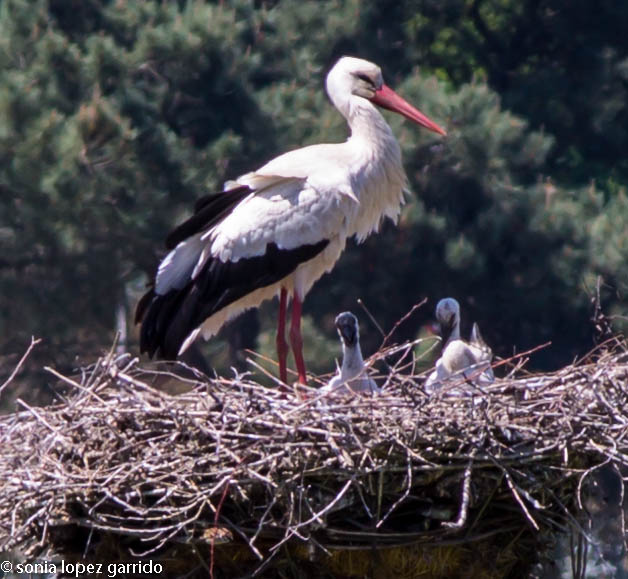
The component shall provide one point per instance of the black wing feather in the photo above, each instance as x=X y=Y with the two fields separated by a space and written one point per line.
x=167 y=320
x=207 y=212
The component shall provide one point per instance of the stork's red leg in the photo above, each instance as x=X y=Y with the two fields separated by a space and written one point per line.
x=282 y=345
x=295 y=337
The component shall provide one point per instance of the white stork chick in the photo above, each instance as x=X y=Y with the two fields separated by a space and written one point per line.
x=278 y=229
x=470 y=360
x=352 y=376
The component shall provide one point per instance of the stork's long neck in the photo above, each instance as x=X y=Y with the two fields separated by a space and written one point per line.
x=455 y=332
x=367 y=124
x=370 y=129
x=352 y=361
x=374 y=163
x=448 y=335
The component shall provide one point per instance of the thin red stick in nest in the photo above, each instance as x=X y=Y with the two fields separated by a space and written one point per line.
x=216 y=519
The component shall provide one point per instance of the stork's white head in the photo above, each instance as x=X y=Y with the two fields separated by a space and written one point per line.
x=353 y=77
x=448 y=316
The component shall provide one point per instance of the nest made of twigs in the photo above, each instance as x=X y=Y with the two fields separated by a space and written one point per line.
x=236 y=472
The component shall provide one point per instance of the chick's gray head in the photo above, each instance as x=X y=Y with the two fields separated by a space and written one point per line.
x=347 y=326
x=448 y=316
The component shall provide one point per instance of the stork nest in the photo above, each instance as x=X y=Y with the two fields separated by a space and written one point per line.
x=237 y=473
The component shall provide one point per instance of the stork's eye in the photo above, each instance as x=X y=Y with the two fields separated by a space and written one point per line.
x=365 y=78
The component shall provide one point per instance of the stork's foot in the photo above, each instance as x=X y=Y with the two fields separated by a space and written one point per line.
x=301 y=391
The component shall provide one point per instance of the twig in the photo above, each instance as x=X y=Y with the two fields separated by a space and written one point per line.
x=402 y=320
x=371 y=317
x=466 y=495
x=17 y=368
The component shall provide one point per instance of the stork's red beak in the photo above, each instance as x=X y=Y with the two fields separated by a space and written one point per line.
x=387 y=98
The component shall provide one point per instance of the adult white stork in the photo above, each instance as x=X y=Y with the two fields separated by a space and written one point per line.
x=470 y=360
x=278 y=229
x=352 y=376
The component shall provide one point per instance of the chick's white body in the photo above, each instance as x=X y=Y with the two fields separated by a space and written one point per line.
x=461 y=361
x=352 y=376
